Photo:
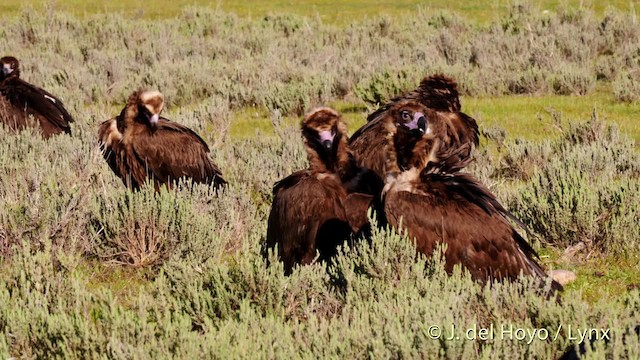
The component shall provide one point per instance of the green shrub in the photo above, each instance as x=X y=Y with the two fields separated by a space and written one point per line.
x=626 y=86
x=383 y=87
x=289 y=62
x=580 y=188
x=241 y=308
x=205 y=290
x=572 y=81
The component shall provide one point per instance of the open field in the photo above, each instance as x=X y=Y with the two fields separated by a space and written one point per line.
x=330 y=11
x=89 y=269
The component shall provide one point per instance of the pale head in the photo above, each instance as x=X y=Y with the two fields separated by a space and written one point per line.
x=150 y=105
x=10 y=67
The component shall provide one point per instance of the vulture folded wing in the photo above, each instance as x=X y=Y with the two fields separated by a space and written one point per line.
x=305 y=216
x=44 y=104
x=107 y=134
x=290 y=181
x=173 y=151
x=356 y=207
x=473 y=191
x=482 y=242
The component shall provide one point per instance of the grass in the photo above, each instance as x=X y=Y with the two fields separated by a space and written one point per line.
x=211 y=291
x=521 y=116
x=330 y=11
x=533 y=117
x=600 y=279
x=122 y=282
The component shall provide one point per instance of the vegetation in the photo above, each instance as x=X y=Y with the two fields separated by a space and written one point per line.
x=330 y=11
x=89 y=269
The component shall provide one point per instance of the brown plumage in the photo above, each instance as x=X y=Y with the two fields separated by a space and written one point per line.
x=450 y=208
x=438 y=93
x=139 y=145
x=24 y=105
x=318 y=208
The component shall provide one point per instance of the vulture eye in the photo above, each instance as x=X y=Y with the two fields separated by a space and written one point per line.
x=406 y=115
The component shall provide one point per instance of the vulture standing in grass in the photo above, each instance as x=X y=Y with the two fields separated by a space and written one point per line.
x=451 y=207
x=318 y=208
x=139 y=145
x=23 y=105
x=438 y=93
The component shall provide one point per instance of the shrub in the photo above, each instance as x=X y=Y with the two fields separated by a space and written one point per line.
x=383 y=87
x=626 y=87
x=572 y=81
x=289 y=62
x=581 y=188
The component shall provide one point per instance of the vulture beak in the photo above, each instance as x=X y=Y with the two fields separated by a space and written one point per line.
x=419 y=123
x=6 y=69
x=153 y=120
x=326 y=139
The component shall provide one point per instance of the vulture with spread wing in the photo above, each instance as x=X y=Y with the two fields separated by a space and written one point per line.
x=24 y=105
x=452 y=207
x=318 y=208
x=140 y=145
x=438 y=93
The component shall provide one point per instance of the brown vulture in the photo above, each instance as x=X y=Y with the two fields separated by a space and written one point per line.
x=140 y=145
x=452 y=207
x=318 y=208
x=438 y=93
x=23 y=104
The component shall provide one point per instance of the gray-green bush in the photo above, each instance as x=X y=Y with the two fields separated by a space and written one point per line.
x=291 y=63
x=205 y=290
x=582 y=187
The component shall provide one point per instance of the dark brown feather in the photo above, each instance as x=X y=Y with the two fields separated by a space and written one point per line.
x=438 y=93
x=452 y=208
x=22 y=100
x=317 y=209
x=163 y=153
x=307 y=216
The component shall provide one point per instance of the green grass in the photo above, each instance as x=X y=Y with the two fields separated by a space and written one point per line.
x=221 y=263
x=532 y=117
x=330 y=11
x=529 y=117
x=599 y=279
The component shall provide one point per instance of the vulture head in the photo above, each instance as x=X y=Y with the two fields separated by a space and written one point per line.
x=144 y=106
x=10 y=67
x=325 y=138
x=409 y=116
x=412 y=130
x=420 y=137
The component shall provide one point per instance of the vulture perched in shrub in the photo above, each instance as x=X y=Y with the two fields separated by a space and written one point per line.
x=318 y=208
x=24 y=105
x=451 y=207
x=141 y=146
x=438 y=93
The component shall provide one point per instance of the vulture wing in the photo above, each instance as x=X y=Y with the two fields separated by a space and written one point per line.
x=306 y=215
x=369 y=142
x=464 y=215
x=174 y=151
x=438 y=92
x=106 y=133
x=49 y=110
x=367 y=145
x=290 y=180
